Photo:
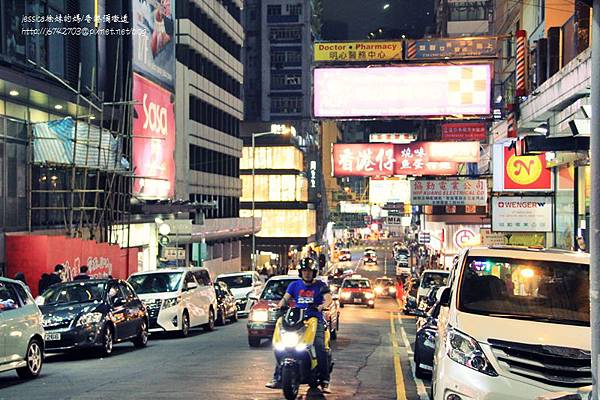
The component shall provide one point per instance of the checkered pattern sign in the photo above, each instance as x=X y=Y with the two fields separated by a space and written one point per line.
x=466 y=86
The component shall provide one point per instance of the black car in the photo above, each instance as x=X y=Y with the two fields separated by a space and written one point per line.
x=226 y=304
x=95 y=313
x=425 y=342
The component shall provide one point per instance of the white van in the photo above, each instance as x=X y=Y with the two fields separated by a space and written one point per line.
x=429 y=279
x=514 y=324
x=242 y=285
x=177 y=299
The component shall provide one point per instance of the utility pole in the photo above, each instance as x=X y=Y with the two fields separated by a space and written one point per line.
x=595 y=200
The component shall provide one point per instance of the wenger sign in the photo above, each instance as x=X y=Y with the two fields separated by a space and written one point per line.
x=522 y=214
x=438 y=90
x=387 y=159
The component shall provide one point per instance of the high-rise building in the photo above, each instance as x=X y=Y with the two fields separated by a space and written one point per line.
x=277 y=90
x=209 y=109
x=464 y=18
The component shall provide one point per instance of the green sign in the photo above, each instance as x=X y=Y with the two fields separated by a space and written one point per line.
x=163 y=240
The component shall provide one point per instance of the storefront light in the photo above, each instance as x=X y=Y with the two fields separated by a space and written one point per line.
x=13 y=93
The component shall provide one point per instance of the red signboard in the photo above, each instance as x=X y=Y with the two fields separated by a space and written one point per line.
x=527 y=173
x=464 y=131
x=153 y=140
x=37 y=254
x=418 y=158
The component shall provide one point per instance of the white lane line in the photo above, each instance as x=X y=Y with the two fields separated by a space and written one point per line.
x=421 y=390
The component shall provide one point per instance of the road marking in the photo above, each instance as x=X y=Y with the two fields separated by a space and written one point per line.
x=421 y=390
x=400 y=389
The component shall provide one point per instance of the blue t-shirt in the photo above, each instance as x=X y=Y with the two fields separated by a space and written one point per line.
x=305 y=295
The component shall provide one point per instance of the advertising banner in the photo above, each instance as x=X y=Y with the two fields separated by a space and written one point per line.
x=522 y=214
x=446 y=48
x=389 y=190
x=153 y=140
x=464 y=131
x=520 y=173
x=465 y=192
x=426 y=91
x=387 y=159
x=358 y=51
x=154 y=53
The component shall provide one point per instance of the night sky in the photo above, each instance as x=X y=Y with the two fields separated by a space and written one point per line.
x=355 y=19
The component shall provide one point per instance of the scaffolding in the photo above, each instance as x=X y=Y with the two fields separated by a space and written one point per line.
x=79 y=176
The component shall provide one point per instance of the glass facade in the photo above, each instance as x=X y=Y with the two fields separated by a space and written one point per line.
x=285 y=223
x=275 y=188
x=565 y=208
x=280 y=157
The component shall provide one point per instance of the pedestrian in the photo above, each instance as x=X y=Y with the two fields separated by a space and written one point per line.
x=43 y=283
x=54 y=277
x=20 y=276
x=83 y=274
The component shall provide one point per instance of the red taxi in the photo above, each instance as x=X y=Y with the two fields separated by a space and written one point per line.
x=357 y=290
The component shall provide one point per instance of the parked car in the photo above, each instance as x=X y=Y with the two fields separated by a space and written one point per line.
x=263 y=316
x=357 y=290
x=429 y=279
x=177 y=299
x=226 y=305
x=92 y=314
x=515 y=323
x=21 y=330
x=426 y=337
x=385 y=286
x=242 y=285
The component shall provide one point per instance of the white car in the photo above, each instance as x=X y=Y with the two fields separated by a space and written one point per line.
x=177 y=299
x=429 y=279
x=21 y=331
x=514 y=324
x=242 y=285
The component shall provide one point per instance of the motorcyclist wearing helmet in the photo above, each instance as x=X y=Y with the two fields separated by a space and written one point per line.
x=314 y=296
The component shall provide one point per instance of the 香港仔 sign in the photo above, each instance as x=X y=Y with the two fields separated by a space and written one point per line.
x=387 y=159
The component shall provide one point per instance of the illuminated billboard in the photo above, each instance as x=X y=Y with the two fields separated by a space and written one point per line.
x=275 y=188
x=285 y=223
x=436 y=90
x=276 y=157
x=417 y=158
x=389 y=190
x=153 y=140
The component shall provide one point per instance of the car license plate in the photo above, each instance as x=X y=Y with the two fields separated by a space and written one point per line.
x=258 y=326
x=52 y=336
x=357 y=300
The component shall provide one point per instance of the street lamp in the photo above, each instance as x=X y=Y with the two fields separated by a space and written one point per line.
x=276 y=129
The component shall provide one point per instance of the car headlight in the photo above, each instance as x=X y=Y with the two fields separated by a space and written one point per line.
x=171 y=302
x=346 y=295
x=259 y=316
x=290 y=339
x=378 y=290
x=369 y=295
x=89 y=318
x=466 y=351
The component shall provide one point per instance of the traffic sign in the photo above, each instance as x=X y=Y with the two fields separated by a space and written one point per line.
x=424 y=237
x=163 y=240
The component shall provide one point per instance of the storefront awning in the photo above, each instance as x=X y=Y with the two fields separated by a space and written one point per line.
x=536 y=144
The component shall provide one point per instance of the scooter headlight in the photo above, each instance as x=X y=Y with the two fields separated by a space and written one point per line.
x=290 y=339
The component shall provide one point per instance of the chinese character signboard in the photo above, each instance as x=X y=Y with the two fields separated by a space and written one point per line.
x=401 y=138
x=409 y=91
x=387 y=159
x=522 y=214
x=520 y=173
x=358 y=51
x=466 y=192
x=153 y=140
x=464 y=131
x=446 y=48
x=154 y=53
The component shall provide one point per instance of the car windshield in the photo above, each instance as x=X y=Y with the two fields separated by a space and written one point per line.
x=434 y=279
x=356 y=284
x=275 y=289
x=74 y=293
x=237 y=281
x=384 y=282
x=547 y=291
x=156 y=283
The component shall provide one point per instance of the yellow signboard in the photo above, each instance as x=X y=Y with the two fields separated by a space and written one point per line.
x=358 y=51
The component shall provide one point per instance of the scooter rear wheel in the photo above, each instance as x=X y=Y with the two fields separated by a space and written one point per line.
x=289 y=381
